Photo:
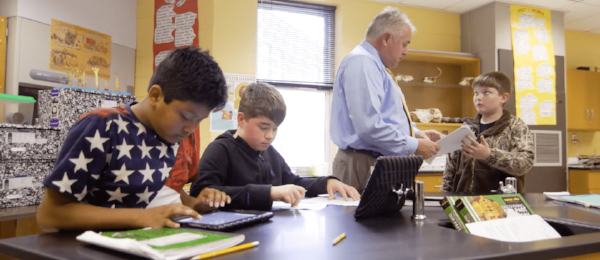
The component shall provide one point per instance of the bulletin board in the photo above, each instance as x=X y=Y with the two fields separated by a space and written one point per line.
x=534 y=65
x=75 y=47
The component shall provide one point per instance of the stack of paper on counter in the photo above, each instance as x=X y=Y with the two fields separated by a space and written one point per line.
x=504 y=217
x=316 y=203
x=162 y=243
x=587 y=200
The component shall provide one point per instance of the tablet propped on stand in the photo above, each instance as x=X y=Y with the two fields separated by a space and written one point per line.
x=222 y=220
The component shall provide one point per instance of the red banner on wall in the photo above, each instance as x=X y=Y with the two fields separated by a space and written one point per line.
x=175 y=26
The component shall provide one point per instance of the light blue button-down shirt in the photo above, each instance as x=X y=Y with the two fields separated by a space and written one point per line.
x=367 y=111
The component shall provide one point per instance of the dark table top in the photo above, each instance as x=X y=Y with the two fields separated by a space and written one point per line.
x=309 y=234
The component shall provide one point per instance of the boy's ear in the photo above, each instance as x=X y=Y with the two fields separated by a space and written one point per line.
x=504 y=97
x=240 y=119
x=155 y=95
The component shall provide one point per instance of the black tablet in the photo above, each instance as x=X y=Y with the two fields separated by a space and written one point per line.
x=223 y=220
x=386 y=187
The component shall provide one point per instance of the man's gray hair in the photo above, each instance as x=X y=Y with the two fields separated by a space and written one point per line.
x=389 y=20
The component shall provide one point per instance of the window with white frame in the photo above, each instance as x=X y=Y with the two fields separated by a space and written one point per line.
x=295 y=52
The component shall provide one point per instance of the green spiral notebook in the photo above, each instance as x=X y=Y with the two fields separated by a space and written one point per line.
x=163 y=243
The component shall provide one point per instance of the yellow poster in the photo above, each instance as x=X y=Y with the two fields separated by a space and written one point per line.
x=535 y=77
x=74 y=47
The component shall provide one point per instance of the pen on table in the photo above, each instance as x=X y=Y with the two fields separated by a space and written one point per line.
x=227 y=251
x=338 y=239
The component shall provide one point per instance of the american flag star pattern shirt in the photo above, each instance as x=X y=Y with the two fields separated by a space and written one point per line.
x=111 y=159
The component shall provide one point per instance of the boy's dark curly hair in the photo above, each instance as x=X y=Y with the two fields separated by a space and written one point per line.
x=190 y=74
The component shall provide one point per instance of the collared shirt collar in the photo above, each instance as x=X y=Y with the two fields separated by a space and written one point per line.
x=371 y=49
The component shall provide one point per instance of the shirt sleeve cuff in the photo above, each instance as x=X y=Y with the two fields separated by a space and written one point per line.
x=259 y=197
x=411 y=146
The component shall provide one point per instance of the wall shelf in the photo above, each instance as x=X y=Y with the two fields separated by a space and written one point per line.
x=446 y=94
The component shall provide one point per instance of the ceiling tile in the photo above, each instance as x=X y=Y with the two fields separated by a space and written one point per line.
x=578 y=11
x=547 y=4
x=467 y=5
x=431 y=4
x=591 y=2
x=585 y=24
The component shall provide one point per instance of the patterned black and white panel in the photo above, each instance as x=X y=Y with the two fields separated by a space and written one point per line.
x=21 y=181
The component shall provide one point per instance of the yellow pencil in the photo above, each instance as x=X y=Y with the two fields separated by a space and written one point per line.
x=338 y=239
x=227 y=251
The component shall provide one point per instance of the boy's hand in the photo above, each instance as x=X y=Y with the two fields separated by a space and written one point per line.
x=161 y=216
x=346 y=191
x=288 y=193
x=432 y=135
x=213 y=198
x=427 y=148
x=476 y=150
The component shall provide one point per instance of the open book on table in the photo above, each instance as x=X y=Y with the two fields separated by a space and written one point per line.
x=162 y=243
x=503 y=217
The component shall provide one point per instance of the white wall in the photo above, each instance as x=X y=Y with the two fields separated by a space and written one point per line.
x=116 y=18
x=29 y=48
x=8 y=8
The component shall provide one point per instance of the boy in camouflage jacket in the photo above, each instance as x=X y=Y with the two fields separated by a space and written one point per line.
x=505 y=147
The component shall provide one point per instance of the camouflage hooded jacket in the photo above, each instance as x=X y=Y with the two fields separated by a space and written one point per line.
x=511 y=155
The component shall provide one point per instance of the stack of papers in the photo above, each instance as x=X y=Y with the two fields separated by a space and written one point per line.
x=587 y=200
x=437 y=164
x=515 y=229
x=316 y=203
x=453 y=141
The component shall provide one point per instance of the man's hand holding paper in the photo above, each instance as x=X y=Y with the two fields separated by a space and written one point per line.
x=430 y=134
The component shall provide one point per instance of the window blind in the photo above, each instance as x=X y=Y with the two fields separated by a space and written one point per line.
x=295 y=44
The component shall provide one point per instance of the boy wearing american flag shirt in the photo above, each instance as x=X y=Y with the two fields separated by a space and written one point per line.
x=115 y=160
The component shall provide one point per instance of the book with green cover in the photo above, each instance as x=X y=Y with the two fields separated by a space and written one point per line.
x=447 y=204
x=488 y=207
x=163 y=243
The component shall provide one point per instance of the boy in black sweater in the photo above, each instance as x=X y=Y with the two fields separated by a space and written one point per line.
x=243 y=164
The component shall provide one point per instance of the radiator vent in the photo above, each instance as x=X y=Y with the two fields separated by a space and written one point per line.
x=548 y=147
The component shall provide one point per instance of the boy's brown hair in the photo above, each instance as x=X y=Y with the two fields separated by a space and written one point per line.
x=494 y=79
x=262 y=99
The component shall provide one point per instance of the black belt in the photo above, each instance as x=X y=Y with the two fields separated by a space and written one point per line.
x=369 y=152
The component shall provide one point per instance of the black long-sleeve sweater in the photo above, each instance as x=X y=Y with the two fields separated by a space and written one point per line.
x=229 y=164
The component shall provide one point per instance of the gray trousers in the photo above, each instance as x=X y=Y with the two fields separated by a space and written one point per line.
x=353 y=167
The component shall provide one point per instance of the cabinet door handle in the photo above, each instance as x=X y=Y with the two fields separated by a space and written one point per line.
x=592 y=114
x=437 y=186
x=587 y=111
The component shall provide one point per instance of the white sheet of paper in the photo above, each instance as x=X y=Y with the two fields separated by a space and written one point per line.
x=555 y=195
x=280 y=205
x=453 y=141
x=339 y=201
x=515 y=229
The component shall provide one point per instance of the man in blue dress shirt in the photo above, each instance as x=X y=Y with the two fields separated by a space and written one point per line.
x=368 y=115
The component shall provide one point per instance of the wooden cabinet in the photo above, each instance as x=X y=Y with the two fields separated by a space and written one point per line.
x=583 y=106
x=584 y=181
x=432 y=181
x=452 y=99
